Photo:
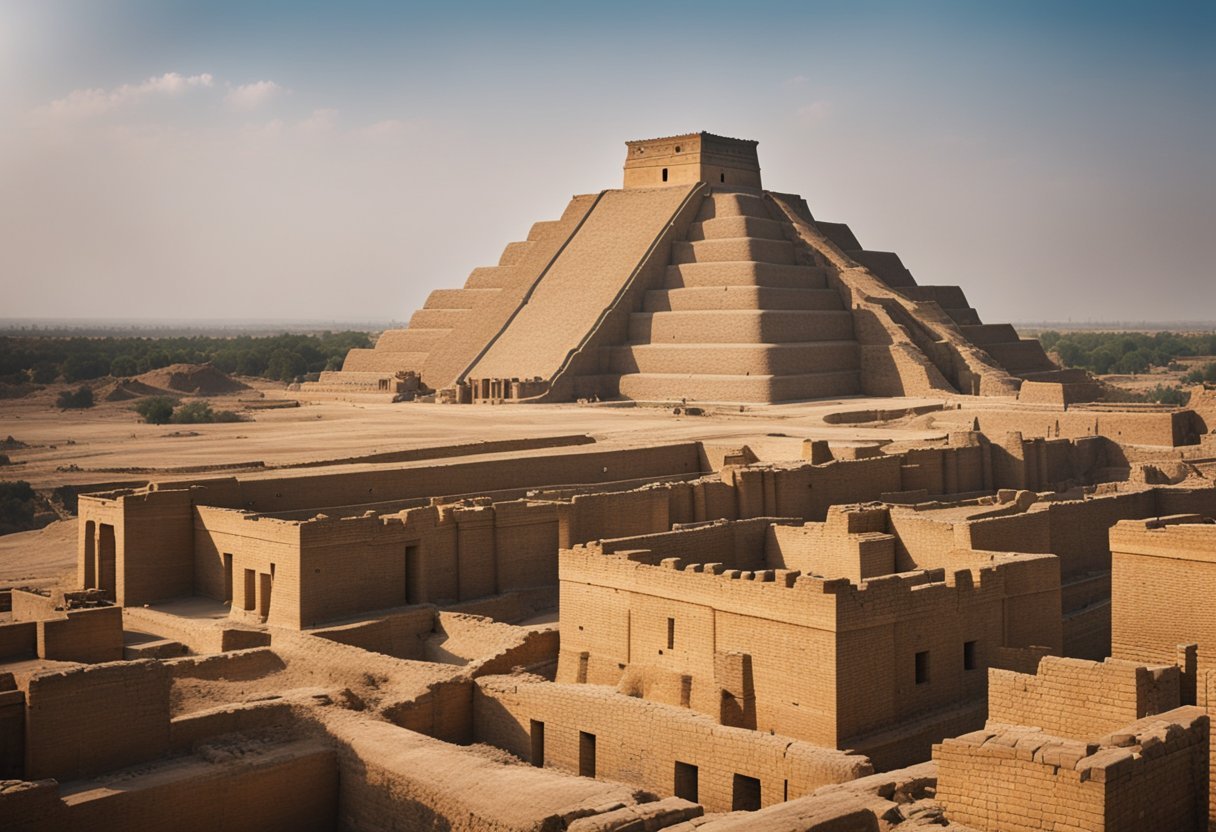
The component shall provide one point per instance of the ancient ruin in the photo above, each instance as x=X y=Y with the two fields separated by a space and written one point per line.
x=692 y=282
x=984 y=608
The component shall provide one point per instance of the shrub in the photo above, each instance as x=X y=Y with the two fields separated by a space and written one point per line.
x=157 y=410
x=44 y=373
x=76 y=399
x=200 y=413
x=1200 y=374
x=16 y=506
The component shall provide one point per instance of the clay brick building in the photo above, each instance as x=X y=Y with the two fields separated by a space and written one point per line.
x=808 y=630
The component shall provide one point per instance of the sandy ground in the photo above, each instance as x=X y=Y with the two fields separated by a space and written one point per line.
x=108 y=443
x=39 y=558
x=1159 y=375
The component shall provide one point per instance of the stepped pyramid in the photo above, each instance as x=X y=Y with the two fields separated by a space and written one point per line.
x=693 y=282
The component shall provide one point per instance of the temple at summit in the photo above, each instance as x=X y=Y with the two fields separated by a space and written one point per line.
x=694 y=282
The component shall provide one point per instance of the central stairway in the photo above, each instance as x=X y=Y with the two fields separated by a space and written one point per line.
x=739 y=318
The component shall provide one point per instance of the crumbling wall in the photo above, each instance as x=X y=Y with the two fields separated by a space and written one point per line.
x=85 y=635
x=92 y=719
x=1081 y=699
x=388 y=776
x=643 y=743
x=290 y=786
x=1012 y=779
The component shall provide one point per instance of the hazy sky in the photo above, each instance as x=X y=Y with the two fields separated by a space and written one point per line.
x=340 y=160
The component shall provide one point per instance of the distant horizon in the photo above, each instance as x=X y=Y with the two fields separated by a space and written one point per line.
x=245 y=325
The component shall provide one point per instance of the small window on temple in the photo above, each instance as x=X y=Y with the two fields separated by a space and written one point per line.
x=922 y=667
x=671 y=633
x=968 y=655
x=677 y=148
x=722 y=177
x=664 y=174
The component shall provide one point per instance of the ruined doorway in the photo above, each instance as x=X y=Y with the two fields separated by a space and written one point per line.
x=107 y=580
x=745 y=794
x=586 y=754
x=265 y=583
x=538 y=743
x=90 y=555
x=413 y=575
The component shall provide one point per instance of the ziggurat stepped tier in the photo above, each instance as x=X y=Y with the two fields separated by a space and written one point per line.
x=692 y=283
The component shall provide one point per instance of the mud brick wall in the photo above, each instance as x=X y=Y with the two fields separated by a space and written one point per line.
x=399 y=634
x=615 y=514
x=18 y=640
x=88 y=720
x=525 y=545
x=432 y=479
x=1161 y=428
x=1081 y=699
x=292 y=786
x=857 y=645
x=385 y=772
x=264 y=545
x=1017 y=779
x=85 y=635
x=815 y=548
x=882 y=626
x=640 y=742
x=1162 y=585
x=32 y=606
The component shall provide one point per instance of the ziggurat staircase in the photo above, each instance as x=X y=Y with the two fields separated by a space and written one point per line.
x=679 y=289
x=741 y=317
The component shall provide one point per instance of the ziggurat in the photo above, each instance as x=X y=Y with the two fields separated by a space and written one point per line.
x=982 y=609
x=694 y=283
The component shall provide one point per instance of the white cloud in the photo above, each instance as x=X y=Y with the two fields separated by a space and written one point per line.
x=251 y=96
x=320 y=121
x=85 y=103
x=814 y=112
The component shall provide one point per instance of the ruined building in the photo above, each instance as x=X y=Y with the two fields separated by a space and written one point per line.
x=695 y=282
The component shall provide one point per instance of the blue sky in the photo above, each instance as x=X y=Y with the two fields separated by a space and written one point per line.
x=308 y=160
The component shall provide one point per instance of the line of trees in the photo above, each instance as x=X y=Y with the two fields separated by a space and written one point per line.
x=278 y=357
x=1125 y=352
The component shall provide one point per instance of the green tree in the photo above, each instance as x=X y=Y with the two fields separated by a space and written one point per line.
x=155 y=410
x=16 y=506
x=285 y=365
x=75 y=399
x=44 y=372
x=84 y=367
x=124 y=365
